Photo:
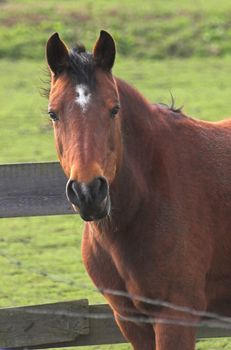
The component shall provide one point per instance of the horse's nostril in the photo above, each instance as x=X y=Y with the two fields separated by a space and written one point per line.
x=72 y=192
x=74 y=188
x=100 y=188
x=83 y=194
x=103 y=183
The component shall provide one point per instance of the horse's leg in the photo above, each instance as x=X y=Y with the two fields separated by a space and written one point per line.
x=141 y=336
x=180 y=337
x=169 y=337
x=104 y=274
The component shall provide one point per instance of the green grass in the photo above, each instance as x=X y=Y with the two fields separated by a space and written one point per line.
x=40 y=257
x=189 y=28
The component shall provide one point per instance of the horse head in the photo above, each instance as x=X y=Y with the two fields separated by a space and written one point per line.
x=84 y=107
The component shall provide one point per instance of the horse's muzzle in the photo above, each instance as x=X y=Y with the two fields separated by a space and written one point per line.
x=91 y=200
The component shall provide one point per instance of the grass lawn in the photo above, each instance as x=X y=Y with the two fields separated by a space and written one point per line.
x=160 y=29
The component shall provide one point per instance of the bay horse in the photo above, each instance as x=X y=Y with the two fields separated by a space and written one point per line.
x=154 y=189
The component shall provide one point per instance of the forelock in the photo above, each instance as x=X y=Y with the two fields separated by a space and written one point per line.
x=82 y=66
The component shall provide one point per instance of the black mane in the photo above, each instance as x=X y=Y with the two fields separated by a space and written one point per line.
x=171 y=106
x=81 y=66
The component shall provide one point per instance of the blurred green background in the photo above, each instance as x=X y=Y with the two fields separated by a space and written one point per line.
x=182 y=47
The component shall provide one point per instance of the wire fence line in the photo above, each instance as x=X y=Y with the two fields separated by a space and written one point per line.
x=213 y=320
x=166 y=304
x=135 y=319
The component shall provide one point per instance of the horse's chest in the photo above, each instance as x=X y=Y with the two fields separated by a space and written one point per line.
x=156 y=269
x=127 y=285
x=122 y=268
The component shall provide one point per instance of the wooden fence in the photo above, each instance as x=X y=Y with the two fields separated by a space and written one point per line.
x=35 y=190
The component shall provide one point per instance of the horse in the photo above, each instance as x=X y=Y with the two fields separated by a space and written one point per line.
x=153 y=187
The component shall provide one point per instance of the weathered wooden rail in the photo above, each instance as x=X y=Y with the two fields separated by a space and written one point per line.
x=58 y=325
x=35 y=189
x=32 y=189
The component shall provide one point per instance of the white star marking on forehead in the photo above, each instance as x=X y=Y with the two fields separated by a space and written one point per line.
x=83 y=96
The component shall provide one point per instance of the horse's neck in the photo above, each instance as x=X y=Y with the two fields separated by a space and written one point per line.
x=139 y=125
x=137 y=111
x=142 y=124
x=138 y=120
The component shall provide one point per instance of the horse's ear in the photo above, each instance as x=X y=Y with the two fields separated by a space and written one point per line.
x=104 y=51
x=56 y=54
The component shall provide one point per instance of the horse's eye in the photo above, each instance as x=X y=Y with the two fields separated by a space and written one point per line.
x=53 y=116
x=114 y=111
